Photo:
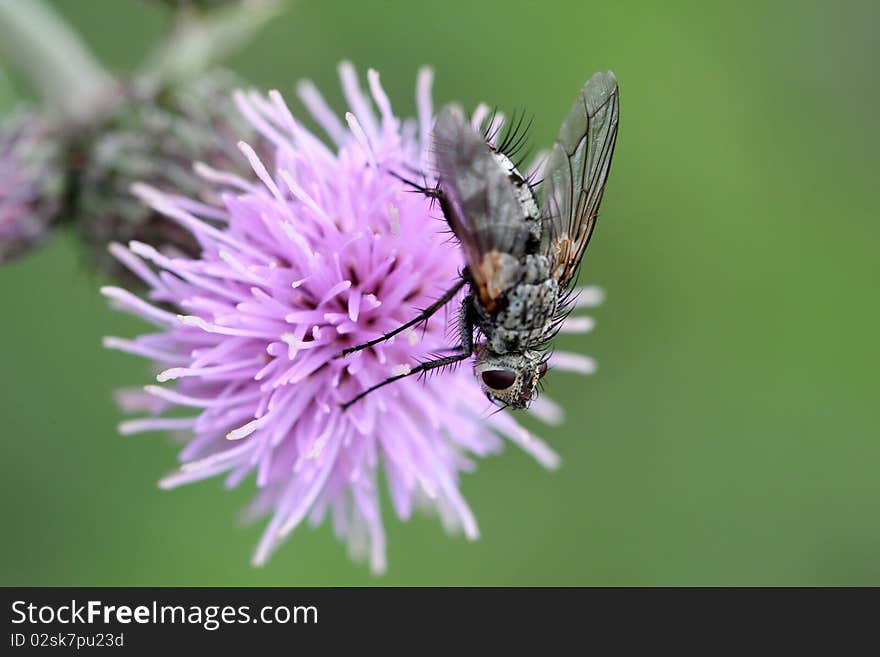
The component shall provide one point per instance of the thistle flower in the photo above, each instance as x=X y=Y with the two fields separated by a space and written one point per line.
x=320 y=249
x=31 y=183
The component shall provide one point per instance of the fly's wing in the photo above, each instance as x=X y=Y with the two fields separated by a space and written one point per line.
x=575 y=174
x=479 y=203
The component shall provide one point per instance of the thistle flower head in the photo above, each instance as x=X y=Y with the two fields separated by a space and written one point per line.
x=31 y=183
x=319 y=249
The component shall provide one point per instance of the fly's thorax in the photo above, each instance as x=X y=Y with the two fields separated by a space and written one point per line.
x=524 y=315
x=536 y=269
x=509 y=378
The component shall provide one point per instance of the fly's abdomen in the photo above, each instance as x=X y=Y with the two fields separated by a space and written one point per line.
x=525 y=195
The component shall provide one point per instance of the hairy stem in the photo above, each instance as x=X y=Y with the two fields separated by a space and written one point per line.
x=201 y=40
x=58 y=64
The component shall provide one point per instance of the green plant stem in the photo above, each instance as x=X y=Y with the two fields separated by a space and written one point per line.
x=58 y=64
x=201 y=40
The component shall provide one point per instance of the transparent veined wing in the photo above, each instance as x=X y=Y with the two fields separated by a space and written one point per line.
x=575 y=174
x=480 y=204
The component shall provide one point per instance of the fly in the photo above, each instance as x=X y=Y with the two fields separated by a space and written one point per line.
x=522 y=256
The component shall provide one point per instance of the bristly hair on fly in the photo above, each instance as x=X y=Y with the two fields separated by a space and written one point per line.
x=514 y=141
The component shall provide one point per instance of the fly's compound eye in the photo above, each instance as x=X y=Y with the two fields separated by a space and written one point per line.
x=499 y=379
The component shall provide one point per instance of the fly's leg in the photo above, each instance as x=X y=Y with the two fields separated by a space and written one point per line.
x=467 y=320
x=430 y=192
x=466 y=327
x=424 y=367
x=425 y=314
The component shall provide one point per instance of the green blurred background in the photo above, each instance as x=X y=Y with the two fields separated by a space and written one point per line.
x=731 y=434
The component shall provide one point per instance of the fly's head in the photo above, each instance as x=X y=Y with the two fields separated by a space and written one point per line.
x=510 y=378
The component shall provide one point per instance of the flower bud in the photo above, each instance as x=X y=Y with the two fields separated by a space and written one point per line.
x=31 y=183
x=154 y=138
